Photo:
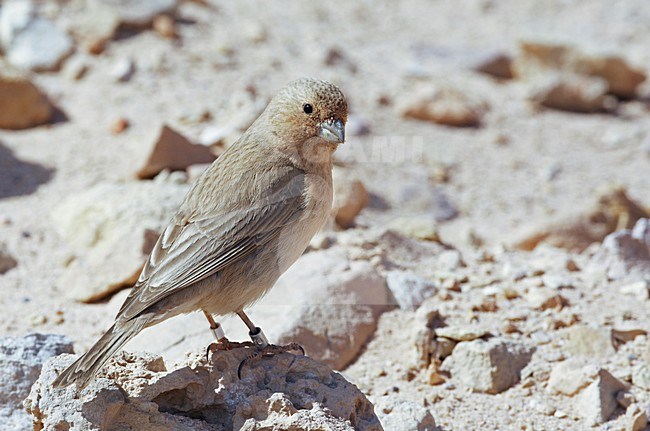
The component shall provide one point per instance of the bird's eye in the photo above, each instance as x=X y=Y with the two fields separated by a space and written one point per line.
x=307 y=108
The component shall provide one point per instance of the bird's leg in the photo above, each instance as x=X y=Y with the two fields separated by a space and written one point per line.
x=264 y=349
x=222 y=342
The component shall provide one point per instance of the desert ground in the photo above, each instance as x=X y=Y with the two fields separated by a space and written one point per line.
x=487 y=262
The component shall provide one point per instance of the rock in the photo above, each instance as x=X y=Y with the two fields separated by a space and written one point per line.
x=75 y=68
x=461 y=333
x=113 y=228
x=337 y=57
x=496 y=64
x=325 y=302
x=164 y=26
x=641 y=376
x=138 y=392
x=140 y=13
x=583 y=340
x=570 y=376
x=573 y=93
x=123 y=70
x=409 y=289
x=174 y=152
x=7 y=262
x=597 y=402
x=22 y=104
x=544 y=299
x=611 y=211
x=636 y=418
x=537 y=59
x=399 y=414
x=444 y=105
x=625 y=254
x=21 y=359
x=29 y=41
x=119 y=126
x=96 y=26
x=423 y=228
x=350 y=197
x=490 y=366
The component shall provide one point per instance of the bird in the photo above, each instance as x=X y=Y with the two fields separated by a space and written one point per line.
x=243 y=223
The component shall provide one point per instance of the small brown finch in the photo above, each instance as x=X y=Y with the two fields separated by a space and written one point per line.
x=245 y=220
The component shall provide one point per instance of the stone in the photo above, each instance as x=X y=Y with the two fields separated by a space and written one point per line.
x=597 y=402
x=544 y=299
x=112 y=228
x=174 y=152
x=584 y=340
x=461 y=333
x=409 y=289
x=445 y=105
x=571 y=376
x=76 y=67
x=138 y=392
x=30 y=41
x=123 y=70
x=536 y=59
x=491 y=366
x=22 y=104
x=611 y=210
x=636 y=418
x=21 y=359
x=400 y=414
x=140 y=13
x=496 y=64
x=625 y=255
x=573 y=93
x=422 y=228
x=350 y=197
x=325 y=302
x=7 y=261
x=164 y=25
x=96 y=26
x=641 y=376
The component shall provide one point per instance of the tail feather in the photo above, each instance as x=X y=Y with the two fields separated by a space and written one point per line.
x=86 y=366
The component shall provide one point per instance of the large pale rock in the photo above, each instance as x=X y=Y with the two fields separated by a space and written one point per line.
x=625 y=254
x=174 y=152
x=350 y=197
x=113 y=228
x=22 y=104
x=409 y=289
x=584 y=340
x=540 y=58
x=641 y=376
x=490 y=366
x=30 y=41
x=598 y=401
x=325 y=302
x=138 y=392
x=21 y=359
x=399 y=414
x=570 y=376
x=443 y=105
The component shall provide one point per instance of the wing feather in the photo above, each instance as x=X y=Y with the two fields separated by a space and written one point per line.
x=193 y=248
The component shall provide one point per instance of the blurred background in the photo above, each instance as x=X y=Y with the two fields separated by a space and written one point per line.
x=495 y=168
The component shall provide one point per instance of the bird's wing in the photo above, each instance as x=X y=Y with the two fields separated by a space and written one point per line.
x=191 y=249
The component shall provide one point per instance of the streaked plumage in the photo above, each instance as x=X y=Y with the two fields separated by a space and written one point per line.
x=242 y=224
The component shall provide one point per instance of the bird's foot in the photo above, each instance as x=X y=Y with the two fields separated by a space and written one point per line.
x=226 y=344
x=268 y=351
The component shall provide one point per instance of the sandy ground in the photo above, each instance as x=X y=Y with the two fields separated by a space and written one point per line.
x=497 y=188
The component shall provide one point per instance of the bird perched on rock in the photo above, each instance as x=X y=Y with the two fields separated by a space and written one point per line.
x=245 y=220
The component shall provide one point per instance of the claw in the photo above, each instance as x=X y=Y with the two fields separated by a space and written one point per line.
x=268 y=351
x=226 y=344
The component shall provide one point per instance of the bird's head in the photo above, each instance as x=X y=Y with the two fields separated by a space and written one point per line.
x=309 y=111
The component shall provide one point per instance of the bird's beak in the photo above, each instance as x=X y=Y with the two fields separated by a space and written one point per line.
x=332 y=131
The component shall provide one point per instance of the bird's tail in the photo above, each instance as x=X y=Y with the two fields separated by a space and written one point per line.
x=85 y=367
